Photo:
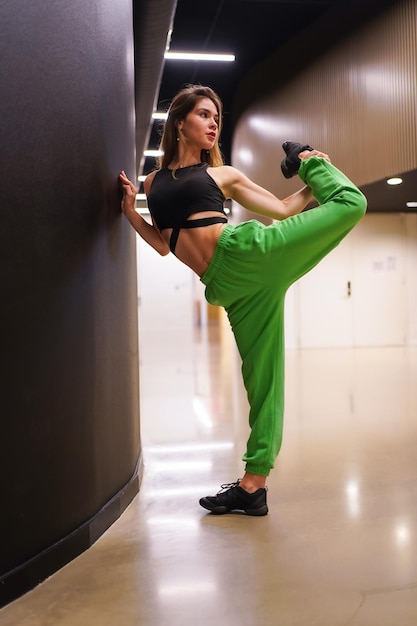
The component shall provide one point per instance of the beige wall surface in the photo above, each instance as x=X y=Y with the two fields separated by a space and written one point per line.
x=358 y=103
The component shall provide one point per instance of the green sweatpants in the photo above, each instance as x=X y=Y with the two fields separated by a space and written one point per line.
x=252 y=268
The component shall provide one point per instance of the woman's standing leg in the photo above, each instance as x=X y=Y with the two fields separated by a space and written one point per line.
x=259 y=335
x=257 y=324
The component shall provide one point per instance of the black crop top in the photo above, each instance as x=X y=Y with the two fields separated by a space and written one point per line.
x=172 y=200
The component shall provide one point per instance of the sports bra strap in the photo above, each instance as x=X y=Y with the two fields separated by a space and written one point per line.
x=202 y=221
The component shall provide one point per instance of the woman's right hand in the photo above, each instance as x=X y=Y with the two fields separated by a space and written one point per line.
x=129 y=193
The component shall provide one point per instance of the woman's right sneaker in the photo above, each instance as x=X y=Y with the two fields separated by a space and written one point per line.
x=291 y=164
x=232 y=497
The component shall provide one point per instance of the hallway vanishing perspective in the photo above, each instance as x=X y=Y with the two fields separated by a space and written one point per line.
x=339 y=544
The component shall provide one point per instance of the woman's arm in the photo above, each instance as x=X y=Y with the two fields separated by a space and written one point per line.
x=148 y=232
x=261 y=201
x=257 y=199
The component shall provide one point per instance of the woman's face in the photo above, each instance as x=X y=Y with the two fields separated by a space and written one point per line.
x=200 y=128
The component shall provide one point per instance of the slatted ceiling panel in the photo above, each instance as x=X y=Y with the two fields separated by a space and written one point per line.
x=358 y=102
x=399 y=97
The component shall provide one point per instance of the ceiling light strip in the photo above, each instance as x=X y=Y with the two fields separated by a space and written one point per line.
x=159 y=115
x=199 y=56
x=153 y=153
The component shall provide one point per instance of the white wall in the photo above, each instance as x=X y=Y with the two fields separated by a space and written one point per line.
x=166 y=297
x=364 y=293
x=411 y=277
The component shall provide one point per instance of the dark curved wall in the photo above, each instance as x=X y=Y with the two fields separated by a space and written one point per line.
x=69 y=421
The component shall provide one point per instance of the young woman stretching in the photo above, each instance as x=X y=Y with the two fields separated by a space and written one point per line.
x=247 y=268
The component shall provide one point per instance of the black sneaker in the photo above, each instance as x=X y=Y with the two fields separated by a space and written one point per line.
x=291 y=164
x=231 y=497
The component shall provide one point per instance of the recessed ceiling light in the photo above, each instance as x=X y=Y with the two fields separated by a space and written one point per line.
x=394 y=181
x=411 y=205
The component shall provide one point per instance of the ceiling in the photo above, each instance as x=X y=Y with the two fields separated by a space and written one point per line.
x=253 y=30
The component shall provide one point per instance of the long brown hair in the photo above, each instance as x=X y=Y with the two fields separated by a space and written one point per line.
x=181 y=105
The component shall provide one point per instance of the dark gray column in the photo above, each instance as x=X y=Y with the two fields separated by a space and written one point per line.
x=69 y=411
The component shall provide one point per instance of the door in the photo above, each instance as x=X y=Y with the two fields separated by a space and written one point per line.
x=324 y=301
x=357 y=296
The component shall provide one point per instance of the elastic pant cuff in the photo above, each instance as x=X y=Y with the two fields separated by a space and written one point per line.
x=260 y=470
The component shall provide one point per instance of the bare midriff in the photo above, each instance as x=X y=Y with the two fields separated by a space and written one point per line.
x=195 y=246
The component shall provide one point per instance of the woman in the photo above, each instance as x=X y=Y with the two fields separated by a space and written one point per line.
x=247 y=268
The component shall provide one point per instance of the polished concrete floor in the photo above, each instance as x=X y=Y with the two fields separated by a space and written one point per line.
x=339 y=546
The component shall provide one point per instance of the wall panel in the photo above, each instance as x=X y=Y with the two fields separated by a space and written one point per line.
x=358 y=102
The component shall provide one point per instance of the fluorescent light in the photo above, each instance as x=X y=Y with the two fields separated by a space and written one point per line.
x=153 y=153
x=394 y=181
x=140 y=196
x=141 y=178
x=159 y=115
x=198 y=56
x=411 y=205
